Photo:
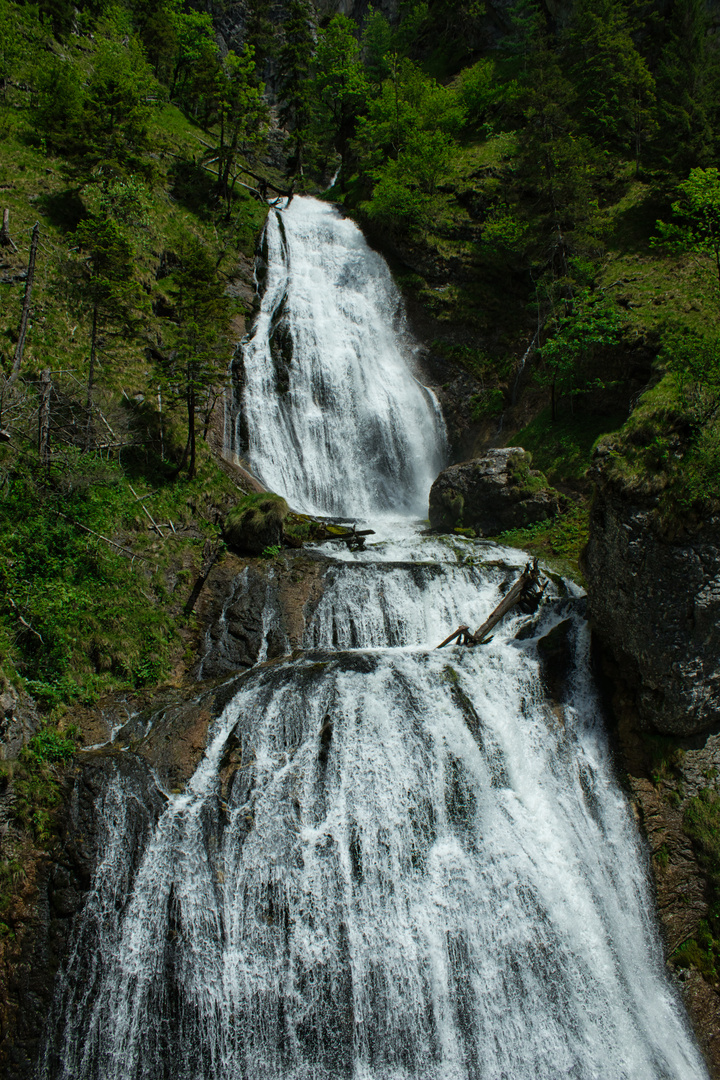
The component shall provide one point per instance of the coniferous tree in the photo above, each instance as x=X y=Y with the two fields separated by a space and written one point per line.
x=295 y=90
x=103 y=285
x=615 y=89
x=196 y=367
x=241 y=114
x=687 y=87
x=376 y=44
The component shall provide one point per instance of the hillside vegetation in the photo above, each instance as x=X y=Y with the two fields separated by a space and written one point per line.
x=546 y=195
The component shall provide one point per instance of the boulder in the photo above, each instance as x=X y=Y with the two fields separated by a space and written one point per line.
x=256 y=523
x=491 y=494
x=654 y=606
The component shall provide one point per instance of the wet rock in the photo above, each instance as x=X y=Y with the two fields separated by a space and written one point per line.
x=662 y=775
x=247 y=623
x=654 y=604
x=555 y=650
x=492 y=493
x=54 y=891
x=257 y=610
x=18 y=720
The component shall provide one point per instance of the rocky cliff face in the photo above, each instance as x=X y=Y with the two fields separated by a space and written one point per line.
x=654 y=605
x=655 y=608
x=54 y=885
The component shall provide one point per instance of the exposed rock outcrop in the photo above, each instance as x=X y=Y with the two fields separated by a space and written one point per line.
x=18 y=720
x=654 y=604
x=55 y=885
x=495 y=492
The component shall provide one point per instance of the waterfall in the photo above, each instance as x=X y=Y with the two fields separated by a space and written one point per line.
x=330 y=413
x=392 y=862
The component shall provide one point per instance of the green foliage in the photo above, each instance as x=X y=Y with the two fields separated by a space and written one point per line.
x=255 y=523
x=522 y=476
x=697 y=229
x=36 y=782
x=559 y=542
x=376 y=46
x=76 y=610
x=702 y=824
x=241 y=113
x=340 y=85
x=580 y=326
x=687 y=84
x=563 y=449
x=47 y=745
x=117 y=108
x=671 y=443
x=614 y=85
x=271 y=551
x=196 y=369
x=489 y=402
x=407 y=141
x=702 y=954
x=295 y=86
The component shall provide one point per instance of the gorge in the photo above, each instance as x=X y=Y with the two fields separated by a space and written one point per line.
x=389 y=862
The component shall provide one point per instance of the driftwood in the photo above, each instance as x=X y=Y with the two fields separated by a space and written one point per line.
x=525 y=594
x=355 y=538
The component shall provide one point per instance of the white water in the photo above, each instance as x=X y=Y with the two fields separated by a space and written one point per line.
x=424 y=869
x=351 y=430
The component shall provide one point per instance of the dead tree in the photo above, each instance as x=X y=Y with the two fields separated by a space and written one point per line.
x=24 y=320
x=525 y=594
x=6 y=239
x=44 y=417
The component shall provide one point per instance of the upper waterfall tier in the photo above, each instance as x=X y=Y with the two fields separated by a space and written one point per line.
x=330 y=414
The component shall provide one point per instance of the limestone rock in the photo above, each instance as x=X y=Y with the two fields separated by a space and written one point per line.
x=495 y=492
x=654 y=604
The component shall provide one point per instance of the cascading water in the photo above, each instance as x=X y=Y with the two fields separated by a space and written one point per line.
x=422 y=868
x=330 y=413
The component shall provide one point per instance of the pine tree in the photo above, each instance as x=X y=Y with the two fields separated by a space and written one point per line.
x=103 y=284
x=195 y=368
x=295 y=90
x=340 y=85
x=615 y=89
x=687 y=88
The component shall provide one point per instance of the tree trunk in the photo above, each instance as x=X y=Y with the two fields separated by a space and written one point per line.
x=20 y=347
x=91 y=381
x=44 y=417
x=191 y=430
x=528 y=581
x=525 y=590
x=24 y=319
x=5 y=237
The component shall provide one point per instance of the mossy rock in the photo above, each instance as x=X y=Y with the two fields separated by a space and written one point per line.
x=256 y=523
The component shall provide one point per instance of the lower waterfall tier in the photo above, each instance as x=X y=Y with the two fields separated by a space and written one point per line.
x=392 y=863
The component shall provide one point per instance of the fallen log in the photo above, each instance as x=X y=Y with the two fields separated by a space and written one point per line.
x=525 y=593
x=355 y=538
